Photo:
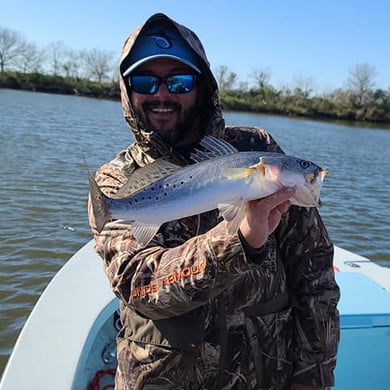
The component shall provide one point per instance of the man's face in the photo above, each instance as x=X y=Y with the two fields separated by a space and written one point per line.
x=172 y=115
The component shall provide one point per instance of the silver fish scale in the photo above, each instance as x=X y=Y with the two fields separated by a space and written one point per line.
x=208 y=185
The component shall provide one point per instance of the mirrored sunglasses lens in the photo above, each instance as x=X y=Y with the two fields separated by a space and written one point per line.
x=144 y=84
x=180 y=83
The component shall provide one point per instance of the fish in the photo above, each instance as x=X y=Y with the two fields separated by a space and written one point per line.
x=226 y=182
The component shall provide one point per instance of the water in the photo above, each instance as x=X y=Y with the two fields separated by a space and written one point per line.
x=43 y=196
x=355 y=197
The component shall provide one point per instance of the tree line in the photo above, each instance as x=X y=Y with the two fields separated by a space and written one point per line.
x=359 y=100
x=57 y=68
x=20 y=55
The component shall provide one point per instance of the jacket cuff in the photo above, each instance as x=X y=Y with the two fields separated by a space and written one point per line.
x=227 y=250
x=252 y=254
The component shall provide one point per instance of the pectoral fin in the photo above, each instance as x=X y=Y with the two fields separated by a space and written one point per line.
x=233 y=214
x=236 y=173
x=241 y=173
x=144 y=233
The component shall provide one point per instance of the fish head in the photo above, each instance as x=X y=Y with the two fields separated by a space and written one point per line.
x=288 y=171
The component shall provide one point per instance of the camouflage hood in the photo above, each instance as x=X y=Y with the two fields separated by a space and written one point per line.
x=151 y=143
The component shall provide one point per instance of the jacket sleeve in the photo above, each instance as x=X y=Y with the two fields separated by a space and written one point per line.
x=157 y=281
x=308 y=256
x=307 y=253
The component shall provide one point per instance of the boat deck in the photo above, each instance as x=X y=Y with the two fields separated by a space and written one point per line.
x=88 y=340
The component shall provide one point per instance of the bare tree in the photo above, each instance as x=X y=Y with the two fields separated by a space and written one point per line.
x=261 y=77
x=56 y=53
x=12 y=45
x=304 y=86
x=31 y=58
x=71 y=64
x=263 y=93
x=97 y=64
x=225 y=78
x=361 y=83
x=243 y=86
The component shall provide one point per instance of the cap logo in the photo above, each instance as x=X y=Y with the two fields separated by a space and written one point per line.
x=162 y=40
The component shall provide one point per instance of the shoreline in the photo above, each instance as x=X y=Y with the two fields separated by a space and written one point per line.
x=110 y=91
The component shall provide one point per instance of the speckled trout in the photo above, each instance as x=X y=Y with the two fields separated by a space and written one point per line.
x=225 y=183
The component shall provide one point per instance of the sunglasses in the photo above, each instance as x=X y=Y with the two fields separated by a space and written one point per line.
x=148 y=84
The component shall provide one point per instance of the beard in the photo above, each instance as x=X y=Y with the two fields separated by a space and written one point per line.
x=178 y=133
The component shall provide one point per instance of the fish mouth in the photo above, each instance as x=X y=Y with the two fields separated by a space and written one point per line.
x=317 y=177
x=308 y=195
x=315 y=181
x=323 y=172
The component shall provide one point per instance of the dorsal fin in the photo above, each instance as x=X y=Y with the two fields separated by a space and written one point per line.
x=213 y=147
x=146 y=175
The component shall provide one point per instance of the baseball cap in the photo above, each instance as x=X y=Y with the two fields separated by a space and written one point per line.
x=160 y=40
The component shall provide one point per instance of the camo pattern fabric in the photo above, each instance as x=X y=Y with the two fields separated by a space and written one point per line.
x=201 y=310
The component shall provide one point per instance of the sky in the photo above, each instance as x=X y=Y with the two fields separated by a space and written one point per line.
x=316 y=41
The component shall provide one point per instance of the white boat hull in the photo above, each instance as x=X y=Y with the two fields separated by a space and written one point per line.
x=73 y=307
x=71 y=330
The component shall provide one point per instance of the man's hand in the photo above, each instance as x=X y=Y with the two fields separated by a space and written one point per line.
x=263 y=216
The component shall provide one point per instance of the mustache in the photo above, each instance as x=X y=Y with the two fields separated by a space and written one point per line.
x=159 y=104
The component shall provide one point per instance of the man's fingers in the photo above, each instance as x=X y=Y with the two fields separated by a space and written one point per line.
x=284 y=206
x=263 y=216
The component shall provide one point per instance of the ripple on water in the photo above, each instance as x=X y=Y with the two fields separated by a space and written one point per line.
x=43 y=217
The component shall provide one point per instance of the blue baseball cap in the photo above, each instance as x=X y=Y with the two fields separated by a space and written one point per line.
x=160 y=40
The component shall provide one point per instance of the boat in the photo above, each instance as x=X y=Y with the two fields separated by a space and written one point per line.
x=68 y=341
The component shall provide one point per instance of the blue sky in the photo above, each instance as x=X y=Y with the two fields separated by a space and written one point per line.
x=317 y=40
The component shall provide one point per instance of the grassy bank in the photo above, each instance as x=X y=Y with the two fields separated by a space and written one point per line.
x=340 y=105
x=57 y=84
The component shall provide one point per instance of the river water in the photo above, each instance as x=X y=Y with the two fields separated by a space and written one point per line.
x=44 y=186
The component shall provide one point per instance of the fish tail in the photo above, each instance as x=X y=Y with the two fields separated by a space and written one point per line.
x=99 y=204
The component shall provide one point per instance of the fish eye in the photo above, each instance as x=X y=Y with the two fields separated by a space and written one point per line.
x=304 y=164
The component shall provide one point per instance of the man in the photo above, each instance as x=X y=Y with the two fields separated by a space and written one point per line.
x=254 y=310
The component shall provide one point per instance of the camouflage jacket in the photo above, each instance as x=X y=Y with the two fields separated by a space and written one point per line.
x=196 y=303
x=200 y=309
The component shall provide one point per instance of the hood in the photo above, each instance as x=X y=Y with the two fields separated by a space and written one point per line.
x=151 y=143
